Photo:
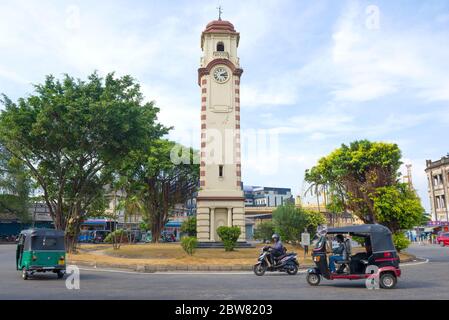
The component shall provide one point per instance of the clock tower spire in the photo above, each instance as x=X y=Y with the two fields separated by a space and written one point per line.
x=220 y=200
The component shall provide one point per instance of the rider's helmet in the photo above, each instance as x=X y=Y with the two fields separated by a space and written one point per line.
x=275 y=237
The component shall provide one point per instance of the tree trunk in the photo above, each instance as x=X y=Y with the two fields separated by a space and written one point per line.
x=155 y=233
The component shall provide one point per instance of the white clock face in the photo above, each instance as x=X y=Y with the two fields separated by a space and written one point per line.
x=221 y=75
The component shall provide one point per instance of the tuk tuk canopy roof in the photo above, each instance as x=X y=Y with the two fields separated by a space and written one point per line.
x=36 y=234
x=43 y=232
x=380 y=235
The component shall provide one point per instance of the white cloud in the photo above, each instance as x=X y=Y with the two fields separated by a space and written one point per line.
x=361 y=65
x=374 y=63
x=12 y=76
x=177 y=111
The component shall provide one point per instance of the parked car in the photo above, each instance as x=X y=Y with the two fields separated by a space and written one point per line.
x=443 y=239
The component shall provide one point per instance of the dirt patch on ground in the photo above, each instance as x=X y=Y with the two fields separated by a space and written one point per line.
x=171 y=254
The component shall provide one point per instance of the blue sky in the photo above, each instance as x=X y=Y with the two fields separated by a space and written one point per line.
x=314 y=72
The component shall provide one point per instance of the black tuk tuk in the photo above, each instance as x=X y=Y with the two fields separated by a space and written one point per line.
x=40 y=250
x=379 y=257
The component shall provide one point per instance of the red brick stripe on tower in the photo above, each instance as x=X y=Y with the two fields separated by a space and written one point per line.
x=203 y=131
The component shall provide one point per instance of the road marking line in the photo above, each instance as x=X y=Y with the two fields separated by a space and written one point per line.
x=174 y=273
x=415 y=263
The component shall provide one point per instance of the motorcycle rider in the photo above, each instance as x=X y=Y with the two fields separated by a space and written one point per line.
x=277 y=249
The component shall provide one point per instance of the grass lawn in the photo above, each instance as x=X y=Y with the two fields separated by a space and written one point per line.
x=171 y=254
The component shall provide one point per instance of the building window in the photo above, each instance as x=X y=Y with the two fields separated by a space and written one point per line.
x=437 y=179
x=220 y=171
x=440 y=202
x=220 y=46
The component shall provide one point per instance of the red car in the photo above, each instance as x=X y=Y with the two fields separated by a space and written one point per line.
x=443 y=239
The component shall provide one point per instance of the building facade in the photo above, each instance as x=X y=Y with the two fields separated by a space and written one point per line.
x=179 y=213
x=39 y=217
x=220 y=201
x=256 y=196
x=438 y=187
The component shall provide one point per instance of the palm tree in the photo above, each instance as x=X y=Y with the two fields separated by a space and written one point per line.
x=133 y=207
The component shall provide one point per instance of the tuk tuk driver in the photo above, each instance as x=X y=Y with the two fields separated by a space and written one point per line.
x=339 y=253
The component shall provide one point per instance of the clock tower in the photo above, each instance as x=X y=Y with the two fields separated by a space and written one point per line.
x=220 y=200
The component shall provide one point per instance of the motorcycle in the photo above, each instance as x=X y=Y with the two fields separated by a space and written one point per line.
x=286 y=263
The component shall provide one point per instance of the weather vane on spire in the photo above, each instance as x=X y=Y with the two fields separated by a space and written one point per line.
x=220 y=11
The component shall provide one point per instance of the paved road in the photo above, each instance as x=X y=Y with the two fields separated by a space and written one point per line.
x=422 y=281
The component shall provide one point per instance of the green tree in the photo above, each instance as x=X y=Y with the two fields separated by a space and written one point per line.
x=317 y=184
x=161 y=178
x=15 y=186
x=397 y=207
x=313 y=220
x=354 y=172
x=289 y=222
x=264 y=231
x=189 y=226
x=72 y=134
x=336 y=206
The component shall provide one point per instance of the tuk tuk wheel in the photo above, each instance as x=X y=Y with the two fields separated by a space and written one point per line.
x=313 y=279
x=388 y=281
x=60 y=274
x=25 y=275
x=259 y=269
x=441 y=243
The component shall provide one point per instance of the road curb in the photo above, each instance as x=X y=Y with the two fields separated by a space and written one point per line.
x=162 y=268
x=193 y=268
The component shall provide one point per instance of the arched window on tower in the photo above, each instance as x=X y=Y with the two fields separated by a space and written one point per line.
x=220 y=46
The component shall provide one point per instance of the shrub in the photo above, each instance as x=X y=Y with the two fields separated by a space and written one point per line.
x=290 y=222
x=120 y=235
x=400 y=241
x=189 y=227
x=229 y=236
x=189 y=244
